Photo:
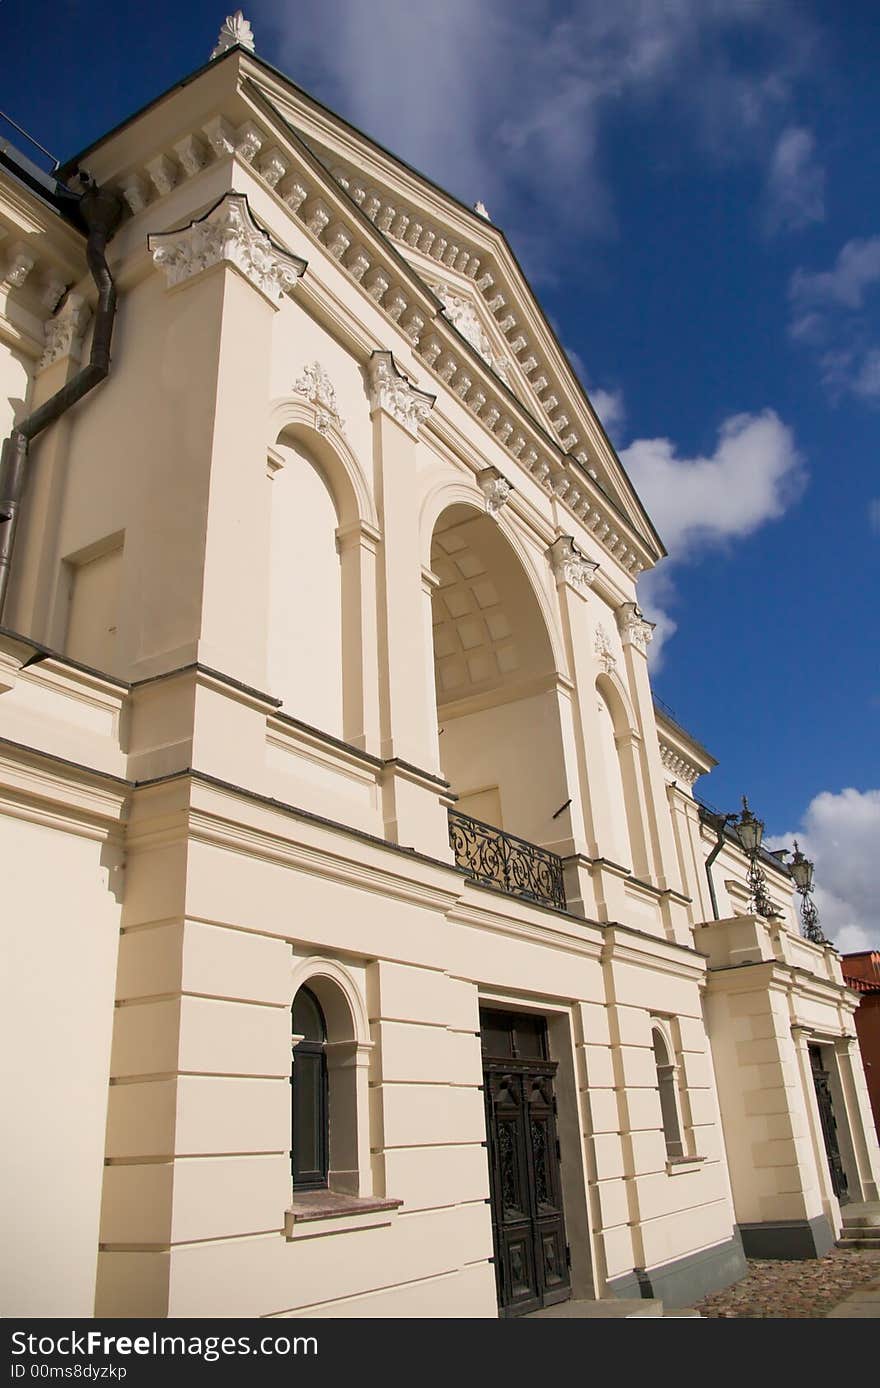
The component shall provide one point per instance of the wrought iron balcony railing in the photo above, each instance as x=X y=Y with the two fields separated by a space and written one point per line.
x=503 y=860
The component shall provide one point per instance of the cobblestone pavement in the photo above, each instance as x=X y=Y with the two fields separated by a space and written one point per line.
x=808 y=1287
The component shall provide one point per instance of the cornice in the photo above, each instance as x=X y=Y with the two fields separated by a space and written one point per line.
x=57 y=793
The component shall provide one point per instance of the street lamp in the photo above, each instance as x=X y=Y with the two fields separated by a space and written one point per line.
x=750 y=831
x=802 y=872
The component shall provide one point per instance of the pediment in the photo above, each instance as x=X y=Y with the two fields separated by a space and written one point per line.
x=442 y=272
x=456 y=249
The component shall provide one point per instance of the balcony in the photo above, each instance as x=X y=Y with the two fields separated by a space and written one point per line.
x=507 y=862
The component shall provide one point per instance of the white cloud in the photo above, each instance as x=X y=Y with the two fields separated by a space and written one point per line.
x=828 y=315
x=856 y=269
x=867 y=380
x=657 y=594
x=706 y=502
x=874 y=515
x=795 y=190
x=841 y=833
x=610 y=408
x=507 y=103
x=753 y=475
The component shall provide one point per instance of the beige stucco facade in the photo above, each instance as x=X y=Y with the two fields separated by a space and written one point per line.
x=339 y=546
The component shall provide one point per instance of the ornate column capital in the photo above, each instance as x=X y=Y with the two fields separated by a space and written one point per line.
x=394 y=393
x=228 y=233
x=63 y=334
x=634 y=629
x=569 y=565
x=495 y=488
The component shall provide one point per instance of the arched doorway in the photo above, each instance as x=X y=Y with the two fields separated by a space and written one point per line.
x=498 y=710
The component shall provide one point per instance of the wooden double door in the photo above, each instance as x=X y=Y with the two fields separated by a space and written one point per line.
x=821 y=1081
x=528 y=1225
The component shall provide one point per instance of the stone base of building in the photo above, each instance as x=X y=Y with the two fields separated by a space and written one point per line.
x=788 y=1238
x=687 y=1279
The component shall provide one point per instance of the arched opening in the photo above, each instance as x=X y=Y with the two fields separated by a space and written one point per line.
x=305 y=658
x=499 y=725
x=666 y=1084
x=329 y=1083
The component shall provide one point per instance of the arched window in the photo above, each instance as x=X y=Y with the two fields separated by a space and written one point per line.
x=668 y=1100
x=310 y=1118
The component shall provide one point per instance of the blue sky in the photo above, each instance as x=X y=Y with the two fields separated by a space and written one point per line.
x=691 y=186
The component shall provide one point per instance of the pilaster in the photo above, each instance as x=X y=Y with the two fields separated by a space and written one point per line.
x=412 y=785
x=574 y=575
x=635 y=635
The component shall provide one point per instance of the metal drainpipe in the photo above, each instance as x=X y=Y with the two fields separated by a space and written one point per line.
x=721 y=823
x=101 y=210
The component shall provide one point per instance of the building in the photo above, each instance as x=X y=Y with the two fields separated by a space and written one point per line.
x=862 y=973
x=327 y=734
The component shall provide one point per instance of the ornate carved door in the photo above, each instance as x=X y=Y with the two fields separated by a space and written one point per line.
x=528 y=1228
x=829 y=1125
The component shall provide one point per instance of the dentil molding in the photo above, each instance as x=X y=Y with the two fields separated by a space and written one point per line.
x=228 y=233
x=678 y=765
x=569 y=565
x=394 y=393
x=634 y=629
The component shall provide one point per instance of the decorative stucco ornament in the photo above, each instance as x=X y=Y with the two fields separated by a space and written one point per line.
x=634 y=629
x=569 y=565
x=20 y=265
x=394 y=393
x=235 y=30
x=316 y=386
x=63 y=334
x=228 y=233
x=604 y=649
x=495 y=488
x=464 y=318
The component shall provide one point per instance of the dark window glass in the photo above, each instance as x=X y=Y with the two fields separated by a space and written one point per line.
x=308 y=1019
x=310 y=1136
x=513 y=1035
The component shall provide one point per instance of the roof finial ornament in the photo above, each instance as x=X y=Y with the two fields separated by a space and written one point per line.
x=480 y=209
x=235 y=30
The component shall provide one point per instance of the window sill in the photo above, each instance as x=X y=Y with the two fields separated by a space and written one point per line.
x=678 y=1166
x=316 y=1212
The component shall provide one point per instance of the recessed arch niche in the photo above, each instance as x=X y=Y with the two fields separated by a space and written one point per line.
x=305 y=662
x=495 y=680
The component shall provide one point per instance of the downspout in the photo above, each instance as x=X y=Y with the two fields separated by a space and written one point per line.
x=101 y=210
x=721 y=823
